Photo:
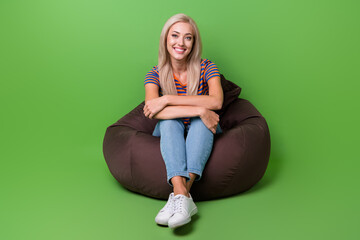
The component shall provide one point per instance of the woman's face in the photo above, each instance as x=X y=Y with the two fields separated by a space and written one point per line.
x=180 y=41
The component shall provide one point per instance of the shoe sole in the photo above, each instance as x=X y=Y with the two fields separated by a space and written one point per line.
x=180 y=224
x=193 y=212
x=161 y=224
x=165 y=223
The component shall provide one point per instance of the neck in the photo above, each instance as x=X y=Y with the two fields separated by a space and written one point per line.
x=178 y=66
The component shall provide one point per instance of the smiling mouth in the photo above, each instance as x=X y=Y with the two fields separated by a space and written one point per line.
x=179 y=50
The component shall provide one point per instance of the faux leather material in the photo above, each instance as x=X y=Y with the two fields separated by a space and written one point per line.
x=238 y=160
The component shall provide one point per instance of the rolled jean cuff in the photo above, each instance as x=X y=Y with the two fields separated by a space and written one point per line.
x=196 y=171
x=174 y=174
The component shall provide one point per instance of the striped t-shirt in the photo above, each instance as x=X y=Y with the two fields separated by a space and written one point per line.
x=208 y=71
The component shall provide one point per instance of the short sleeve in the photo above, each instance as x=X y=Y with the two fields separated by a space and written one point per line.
x=211 y=70
x=152 y=77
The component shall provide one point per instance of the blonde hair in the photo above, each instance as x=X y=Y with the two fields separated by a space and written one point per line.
x=193 y=59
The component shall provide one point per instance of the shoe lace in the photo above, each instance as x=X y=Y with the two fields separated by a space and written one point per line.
x=178 y=204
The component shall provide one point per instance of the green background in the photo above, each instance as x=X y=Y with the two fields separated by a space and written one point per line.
x=70 y=68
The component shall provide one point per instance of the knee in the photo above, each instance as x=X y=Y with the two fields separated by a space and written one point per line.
x=196 y=122
x=199 y=129
x=171 y=124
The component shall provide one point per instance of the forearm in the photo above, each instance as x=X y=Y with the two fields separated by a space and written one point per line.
x=171 y=112
x=205 y=101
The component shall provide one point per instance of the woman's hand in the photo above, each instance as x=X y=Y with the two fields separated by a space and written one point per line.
x=210 y=119
x=153 y=106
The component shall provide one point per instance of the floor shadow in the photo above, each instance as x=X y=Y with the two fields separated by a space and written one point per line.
x=265 y=182
x=270 y=177
x=187 y=228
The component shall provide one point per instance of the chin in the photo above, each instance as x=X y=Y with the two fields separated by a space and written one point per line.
x=180 y=57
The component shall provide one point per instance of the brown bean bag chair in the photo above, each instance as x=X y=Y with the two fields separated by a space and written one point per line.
x=238 y=160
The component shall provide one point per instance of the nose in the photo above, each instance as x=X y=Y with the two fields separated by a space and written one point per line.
x=181 y=41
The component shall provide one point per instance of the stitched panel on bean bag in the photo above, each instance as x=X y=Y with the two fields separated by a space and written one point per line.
x=238 y=160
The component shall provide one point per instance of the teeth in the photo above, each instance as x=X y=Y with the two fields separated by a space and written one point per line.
x=180 y=50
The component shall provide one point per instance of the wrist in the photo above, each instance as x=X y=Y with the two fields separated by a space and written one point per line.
x=166 y=100
x=201 y=111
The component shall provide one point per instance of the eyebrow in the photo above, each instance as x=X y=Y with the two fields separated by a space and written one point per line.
x=185 y=33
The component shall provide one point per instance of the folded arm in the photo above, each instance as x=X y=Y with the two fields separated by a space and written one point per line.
x=171 y=112
x=171 y=106
x=209 y=118
x=157 y=107
x=154 y=103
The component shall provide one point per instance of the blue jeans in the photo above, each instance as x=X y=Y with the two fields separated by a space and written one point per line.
x=184 y=149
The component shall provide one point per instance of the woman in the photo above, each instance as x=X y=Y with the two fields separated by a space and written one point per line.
x=183 y=91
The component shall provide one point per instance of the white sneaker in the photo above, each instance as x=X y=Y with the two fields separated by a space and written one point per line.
x=184 y=209
x=166 y=212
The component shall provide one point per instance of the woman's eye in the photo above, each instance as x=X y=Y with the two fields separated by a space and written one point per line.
x=189 y=38
x=174 y=35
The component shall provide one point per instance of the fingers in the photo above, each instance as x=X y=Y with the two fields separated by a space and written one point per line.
x=148 y=113
x=211 y=120
x=145 y=110
x=213 y=129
